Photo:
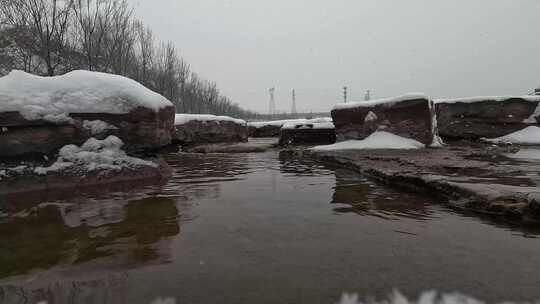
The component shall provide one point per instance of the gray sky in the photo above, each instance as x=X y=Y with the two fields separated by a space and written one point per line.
x=450 y=48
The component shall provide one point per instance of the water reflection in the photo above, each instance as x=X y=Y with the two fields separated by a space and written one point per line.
x=362 y=197
x=130 y=233
x=108 y=289
x=302 y=167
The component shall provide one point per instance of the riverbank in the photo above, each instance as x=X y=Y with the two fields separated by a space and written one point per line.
x=500 y=181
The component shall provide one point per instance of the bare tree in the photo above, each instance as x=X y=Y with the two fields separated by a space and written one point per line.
x=54 y=36
x=46 y=21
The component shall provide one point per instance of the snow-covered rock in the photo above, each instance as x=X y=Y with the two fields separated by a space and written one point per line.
x=181 y=119
x=273 y=128
x=527 y=136
x=94 y=162
x=268 y=128
x=94 y=155
x=201 y=129
x=377 y=140
x=486 y=116
x=411 y=116
x=315 y=123
x=39 y=115
x=308 y=131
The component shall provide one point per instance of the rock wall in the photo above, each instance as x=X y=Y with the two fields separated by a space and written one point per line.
x=300 y=136
x=407 y=116
x=264 y=131
x=212 y=131
x=140 y=129
x=487 y=117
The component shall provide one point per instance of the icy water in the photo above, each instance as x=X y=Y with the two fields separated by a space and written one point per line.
x=254 y=228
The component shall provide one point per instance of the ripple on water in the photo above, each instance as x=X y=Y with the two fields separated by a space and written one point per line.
x=229 y=228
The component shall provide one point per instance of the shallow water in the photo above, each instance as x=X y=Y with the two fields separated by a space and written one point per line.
x=254 y=228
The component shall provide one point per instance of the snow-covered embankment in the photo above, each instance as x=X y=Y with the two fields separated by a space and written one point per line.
x=191 y=129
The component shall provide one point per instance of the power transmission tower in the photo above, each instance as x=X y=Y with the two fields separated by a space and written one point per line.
x=345 y=94
x=293 y=108
x=367 y=96
x=272 y=105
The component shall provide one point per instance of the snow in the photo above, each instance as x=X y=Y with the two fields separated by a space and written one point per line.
x=426 y=297
x=527 y=136
x=474 y=99
x=181 y=119
x=526 y=154
x=377 y=140
x=282 y=123
x=52 y=98
x=370 y=117
x=316 y=123
x=532 y=119
x=97 y=126
x=386 y=101
x=437 y=142
x=95 y=155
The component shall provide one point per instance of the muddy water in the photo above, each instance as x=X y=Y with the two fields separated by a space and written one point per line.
x=254 y=228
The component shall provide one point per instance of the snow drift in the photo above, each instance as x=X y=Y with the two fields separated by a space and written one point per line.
x=527 y=136
x=36 y=97
x=377 y=140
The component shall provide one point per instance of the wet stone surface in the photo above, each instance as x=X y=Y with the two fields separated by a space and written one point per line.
x=495 y=180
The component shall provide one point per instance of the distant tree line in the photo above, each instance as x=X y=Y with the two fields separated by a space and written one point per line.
x=52 y=37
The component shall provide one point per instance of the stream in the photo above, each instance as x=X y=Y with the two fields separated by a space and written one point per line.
x=255 y=228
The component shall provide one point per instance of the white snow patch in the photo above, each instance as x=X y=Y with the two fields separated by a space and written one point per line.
x=474 y=99
x=370 y=117
x=181 y=119
x=18 y=169
x=280 y=123
x=377 y=140
x=437 y=142
x=95 y=155
x=80 y=91
x=386 y=101
x=526 y=154
x=427 y=297
x=532 y=119
x=527 y=136
x=62 y=118
x=97 y=126
x=315 y=123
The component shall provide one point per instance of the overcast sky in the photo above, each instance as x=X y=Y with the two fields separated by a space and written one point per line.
x=449 y=48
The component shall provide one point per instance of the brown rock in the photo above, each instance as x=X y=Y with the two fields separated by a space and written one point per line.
x=139 y=129
x=213 y=131
x=410 y=117
x=265 y=131
x=307 y=135
x=488 y=118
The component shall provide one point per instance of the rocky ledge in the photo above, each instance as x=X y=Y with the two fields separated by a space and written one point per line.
x=493 y=180
x=96 y=162
x=194 y=129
